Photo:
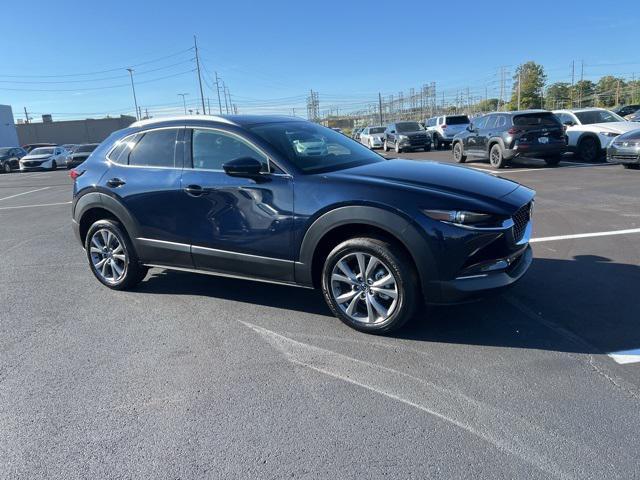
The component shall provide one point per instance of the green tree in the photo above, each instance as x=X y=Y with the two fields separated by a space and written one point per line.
x=584 y=93
x=489 y=105
x=558 y=95
x=528 y=81
x=609 y=89
x=632 y=92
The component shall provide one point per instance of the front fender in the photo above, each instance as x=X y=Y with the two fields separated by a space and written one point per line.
x=404 y=231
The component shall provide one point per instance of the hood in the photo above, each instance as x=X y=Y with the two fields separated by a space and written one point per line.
x=37 y=157
x=435 y=176
x=615 y=127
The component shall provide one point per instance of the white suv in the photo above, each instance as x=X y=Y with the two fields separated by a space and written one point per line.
x=443 y=129
x=591 y=130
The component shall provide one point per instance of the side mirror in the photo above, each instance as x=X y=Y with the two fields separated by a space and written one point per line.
x=243 y=167
x=471 y=128
x=392 y=131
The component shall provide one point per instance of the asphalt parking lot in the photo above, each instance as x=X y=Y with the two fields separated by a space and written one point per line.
x=193 y=376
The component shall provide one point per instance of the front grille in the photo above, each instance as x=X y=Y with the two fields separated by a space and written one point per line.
x=32 y=164
x=418 y=140
x=625 y=157
x=520 y=220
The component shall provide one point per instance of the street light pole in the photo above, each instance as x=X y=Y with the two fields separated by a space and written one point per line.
x=133 y=88
x=184 y=101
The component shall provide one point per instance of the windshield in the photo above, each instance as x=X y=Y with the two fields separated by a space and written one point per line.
x=85 y=148
x=313 y=148
x=457 y=120
x=4 y=151
x=376 y=130
x=597 y=116
x=42 y=151
x=408 y=127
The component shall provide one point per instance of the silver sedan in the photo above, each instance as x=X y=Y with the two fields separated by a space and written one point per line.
x=372 y=137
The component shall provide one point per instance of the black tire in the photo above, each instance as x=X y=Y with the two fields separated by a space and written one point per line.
x=589 y=149
x=396 y=262
x=397 y=147
x=631 y=166
x=496 y=157
x=553 y=161
x=436 y=142
x=6 y=168
x=427 y=147
x=458 y=153
x=134 y=271
x=54 y=165
x=385 y=145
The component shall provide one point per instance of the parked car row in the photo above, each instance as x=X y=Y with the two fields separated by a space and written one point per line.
x=43 y=156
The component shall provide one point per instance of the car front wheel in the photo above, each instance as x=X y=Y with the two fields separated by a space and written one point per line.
x=385 y=146
x=6 y=168
x=111 y=255
x=458 y=153
x=397 y=148
x=589 y=149
x=370 y=285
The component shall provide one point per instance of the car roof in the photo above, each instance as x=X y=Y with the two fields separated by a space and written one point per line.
x=520 y=112
x=235 y=120
x=577 y=110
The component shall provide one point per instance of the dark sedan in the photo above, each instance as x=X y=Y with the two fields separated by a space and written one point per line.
x=283 y=200
x=80 y=154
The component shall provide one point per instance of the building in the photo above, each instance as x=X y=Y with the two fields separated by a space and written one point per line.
x=71 y=131
x=8 y=133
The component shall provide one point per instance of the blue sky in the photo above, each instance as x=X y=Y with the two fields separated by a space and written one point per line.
x=271 y=53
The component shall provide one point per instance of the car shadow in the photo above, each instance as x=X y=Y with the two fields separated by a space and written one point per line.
x=584 y=305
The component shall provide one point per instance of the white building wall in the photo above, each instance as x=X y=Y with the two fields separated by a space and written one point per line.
x=8 y=133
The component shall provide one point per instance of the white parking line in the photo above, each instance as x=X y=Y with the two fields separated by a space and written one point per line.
x=624 y=357
x=24 y=193
x=585 y=235
x=33 y=206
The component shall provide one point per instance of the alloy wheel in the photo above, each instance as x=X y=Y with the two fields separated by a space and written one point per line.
x=108 y=256
x=364 y=288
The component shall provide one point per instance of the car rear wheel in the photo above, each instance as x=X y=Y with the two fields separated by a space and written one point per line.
x=496 y=158
x=589 y=149
x=458 y=153
x=111 y=255
x=370 y=285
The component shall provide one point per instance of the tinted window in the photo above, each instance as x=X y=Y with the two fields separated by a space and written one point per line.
x=43 y=151
x=155 y=149
x=376 y=130
x=120 y=154
x=480 y=122
x=408 y=127
x=532 y=119
x=210 y=149
x=491 y=121
x=85 y=148
x=313 y=148
x=457 y=120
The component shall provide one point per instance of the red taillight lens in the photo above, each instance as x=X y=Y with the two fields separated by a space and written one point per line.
x=513 y=131
x=444 y=126
x=74 y=174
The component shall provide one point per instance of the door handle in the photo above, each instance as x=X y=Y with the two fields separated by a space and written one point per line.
x=195 y=190
x=115 y=182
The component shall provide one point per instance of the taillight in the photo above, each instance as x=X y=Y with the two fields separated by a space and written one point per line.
x=514 y=131
x=444 y=126
x=74 y=174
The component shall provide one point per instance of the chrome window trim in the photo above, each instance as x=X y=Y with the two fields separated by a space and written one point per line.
x=144 y=132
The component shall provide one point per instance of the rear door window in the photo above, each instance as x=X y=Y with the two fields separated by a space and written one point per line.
x=156 y=148
x=457 y=120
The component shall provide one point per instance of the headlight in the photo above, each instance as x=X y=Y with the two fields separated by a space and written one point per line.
x=461 y=217
x=403 y=137
x=609 y=134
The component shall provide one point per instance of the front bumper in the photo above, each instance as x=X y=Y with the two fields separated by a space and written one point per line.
x=629 y=155
x=470 y=287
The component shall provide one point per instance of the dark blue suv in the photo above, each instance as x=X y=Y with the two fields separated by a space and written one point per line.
x=283 y=200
